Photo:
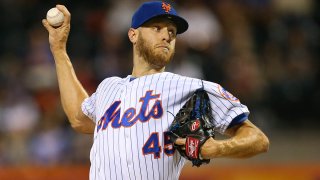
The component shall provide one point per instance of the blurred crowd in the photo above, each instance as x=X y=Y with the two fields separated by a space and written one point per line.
x=263 y=51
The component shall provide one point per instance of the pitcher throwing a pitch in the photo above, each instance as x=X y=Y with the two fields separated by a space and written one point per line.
x=138 y=120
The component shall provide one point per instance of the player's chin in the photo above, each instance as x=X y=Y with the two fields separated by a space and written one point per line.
x=162 y=58
x=165 y=60
x=166 y=55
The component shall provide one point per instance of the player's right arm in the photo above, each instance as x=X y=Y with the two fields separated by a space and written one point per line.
x=71 y=91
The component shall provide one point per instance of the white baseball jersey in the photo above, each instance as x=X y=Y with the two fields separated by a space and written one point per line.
x=132 y=117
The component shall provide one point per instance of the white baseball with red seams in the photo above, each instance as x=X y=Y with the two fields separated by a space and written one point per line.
x=55 y=17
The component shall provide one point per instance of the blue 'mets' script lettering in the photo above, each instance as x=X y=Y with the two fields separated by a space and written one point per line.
x=130 y=116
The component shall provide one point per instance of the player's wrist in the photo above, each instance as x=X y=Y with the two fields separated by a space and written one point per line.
x=58 y=50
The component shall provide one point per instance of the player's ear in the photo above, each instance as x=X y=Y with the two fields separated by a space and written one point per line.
x=133 y=35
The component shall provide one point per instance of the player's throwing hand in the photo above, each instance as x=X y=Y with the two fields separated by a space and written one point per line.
x=58 y=36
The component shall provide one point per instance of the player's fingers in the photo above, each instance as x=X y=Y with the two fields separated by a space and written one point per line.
x=181 y=141
x=65 y=12
x=47 y=25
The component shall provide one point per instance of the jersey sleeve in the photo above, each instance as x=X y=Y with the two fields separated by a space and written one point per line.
x=227 y=110
x=89 y=106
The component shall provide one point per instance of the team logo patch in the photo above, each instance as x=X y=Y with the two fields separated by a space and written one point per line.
x=227 y=94
x=195 y=125
x=166 y=7
x=192 y=147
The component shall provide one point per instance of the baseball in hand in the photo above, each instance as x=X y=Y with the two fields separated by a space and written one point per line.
x=55 y=17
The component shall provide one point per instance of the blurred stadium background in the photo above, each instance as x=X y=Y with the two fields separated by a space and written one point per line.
x=266 y=52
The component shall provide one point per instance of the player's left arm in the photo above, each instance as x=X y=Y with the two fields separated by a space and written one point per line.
x=245 y=140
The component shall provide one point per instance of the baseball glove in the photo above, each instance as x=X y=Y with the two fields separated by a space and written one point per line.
x=193 y=122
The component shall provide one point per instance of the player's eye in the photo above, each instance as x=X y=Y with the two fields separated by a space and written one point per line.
x=157 y=28
x=172 y=33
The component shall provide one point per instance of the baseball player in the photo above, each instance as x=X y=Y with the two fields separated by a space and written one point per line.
x=129 y=116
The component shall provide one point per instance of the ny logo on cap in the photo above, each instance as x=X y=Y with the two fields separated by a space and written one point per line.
x=166 y=7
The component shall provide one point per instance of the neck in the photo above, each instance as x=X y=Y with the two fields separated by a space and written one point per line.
x=142 y=68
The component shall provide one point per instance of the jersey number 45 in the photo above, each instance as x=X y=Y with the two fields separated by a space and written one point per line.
x=152 y=145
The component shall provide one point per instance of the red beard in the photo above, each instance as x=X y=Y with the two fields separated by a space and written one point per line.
x=156 y=60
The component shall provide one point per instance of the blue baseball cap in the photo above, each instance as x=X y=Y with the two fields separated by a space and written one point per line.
x=153 y=9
